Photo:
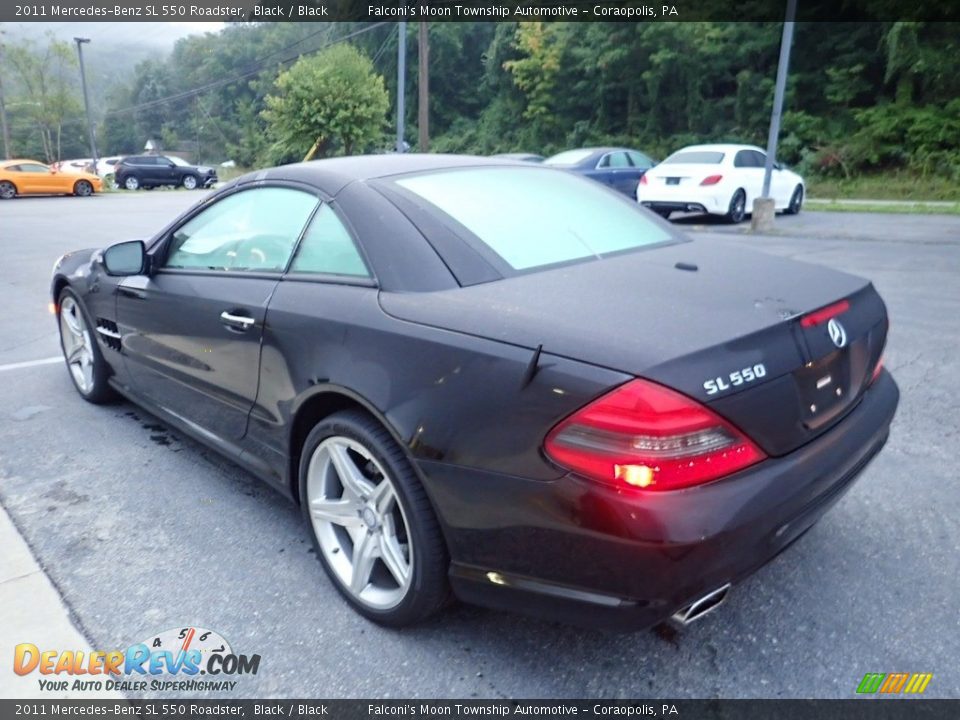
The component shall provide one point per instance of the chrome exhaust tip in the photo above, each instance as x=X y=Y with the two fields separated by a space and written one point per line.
x=701 y=606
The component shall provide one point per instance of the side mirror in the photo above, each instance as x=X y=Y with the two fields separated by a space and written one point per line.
x=126 y=258
x=777 y=166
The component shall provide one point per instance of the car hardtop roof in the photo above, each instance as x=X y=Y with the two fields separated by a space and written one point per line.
x=718 y=147
x=332 y=174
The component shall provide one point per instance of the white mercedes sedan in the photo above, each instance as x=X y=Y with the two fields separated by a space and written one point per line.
x=717 y=179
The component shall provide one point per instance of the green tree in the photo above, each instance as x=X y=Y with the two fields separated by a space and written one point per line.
x=332 y=103
x=46 y=80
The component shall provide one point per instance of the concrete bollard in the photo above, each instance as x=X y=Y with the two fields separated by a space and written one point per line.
x=763 y=214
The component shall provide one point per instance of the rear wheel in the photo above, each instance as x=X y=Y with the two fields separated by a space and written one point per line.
x=796 y=201
x=131 y=182
x=88 y=369
x=8 y=190
x=738 y=207
x=372 y=525
x=190 y=182
x=83 y=188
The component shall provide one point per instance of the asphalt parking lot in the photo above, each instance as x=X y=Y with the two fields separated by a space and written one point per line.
x=142 y=530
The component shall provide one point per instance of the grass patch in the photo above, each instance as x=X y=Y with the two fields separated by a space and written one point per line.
x=888 y=186
x=917 y=208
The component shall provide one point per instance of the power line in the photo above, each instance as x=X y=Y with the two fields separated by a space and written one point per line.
x=227 y=81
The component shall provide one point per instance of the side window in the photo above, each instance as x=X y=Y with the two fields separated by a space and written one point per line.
x=640 y=160
x=328 y=248
x=759 y=159
x=252 y=230
x=33 y=168
x=743 y=159
x=614 y=160
x=619 y=160
x=15 y=168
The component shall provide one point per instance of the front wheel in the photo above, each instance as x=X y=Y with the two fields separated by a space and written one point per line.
x=86 y=364
x=372 y=525
x=190 y=182
x=83 y=189
x=8 y=190
x=131 y=182
x=796 y=201
x=738 y=207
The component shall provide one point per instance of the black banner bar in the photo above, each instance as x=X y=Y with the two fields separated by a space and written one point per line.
x=180 y=709
x=473 y=10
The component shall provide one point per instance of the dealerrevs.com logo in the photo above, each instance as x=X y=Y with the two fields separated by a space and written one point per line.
x=172 y=660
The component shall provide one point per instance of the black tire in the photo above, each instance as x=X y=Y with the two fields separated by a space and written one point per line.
x=428 y=590
x=796 y=201
x=83 y=188
x=99 y=391
x=8 y=190
x=130 y=182
x=190 y=182
x=737 y=210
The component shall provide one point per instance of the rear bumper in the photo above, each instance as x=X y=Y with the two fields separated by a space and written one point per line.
x=714 y=200
x=575 y=551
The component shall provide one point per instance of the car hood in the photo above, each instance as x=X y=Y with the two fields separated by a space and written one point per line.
x=638 y=313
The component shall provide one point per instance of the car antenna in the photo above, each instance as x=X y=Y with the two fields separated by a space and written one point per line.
x=532 y=367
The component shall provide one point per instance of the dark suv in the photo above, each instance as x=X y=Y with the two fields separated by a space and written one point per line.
x=147 y=171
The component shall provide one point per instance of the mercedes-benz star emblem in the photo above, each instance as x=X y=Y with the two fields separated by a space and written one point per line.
x=837 y=333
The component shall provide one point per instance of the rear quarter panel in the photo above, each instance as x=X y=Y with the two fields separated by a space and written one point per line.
x=446 y=396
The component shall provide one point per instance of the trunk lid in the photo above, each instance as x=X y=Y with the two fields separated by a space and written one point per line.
x=681 y=174
x=733 y=322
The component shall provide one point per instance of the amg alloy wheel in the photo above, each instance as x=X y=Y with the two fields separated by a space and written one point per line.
x=372 y=525
x=796 y=201
x=83 y=189
x=738 y=207
x=8 y=190
x=88 y=369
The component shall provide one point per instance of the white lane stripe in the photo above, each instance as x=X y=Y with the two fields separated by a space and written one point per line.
x=32 y=363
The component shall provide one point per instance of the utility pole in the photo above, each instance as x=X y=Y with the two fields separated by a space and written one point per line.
x=3 y=108
x=401 y=83
x=86 y=100
x=423 y=108
x=764 y=207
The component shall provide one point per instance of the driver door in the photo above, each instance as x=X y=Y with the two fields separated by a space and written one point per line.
x=192 y=329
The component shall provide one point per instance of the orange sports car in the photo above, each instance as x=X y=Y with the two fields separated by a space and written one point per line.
x=29 y=177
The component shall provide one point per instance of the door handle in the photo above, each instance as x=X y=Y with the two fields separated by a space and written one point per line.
x=242 y=321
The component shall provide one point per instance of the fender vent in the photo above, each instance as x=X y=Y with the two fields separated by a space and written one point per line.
x=109 y=333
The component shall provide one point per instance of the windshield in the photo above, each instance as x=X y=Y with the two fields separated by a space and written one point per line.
x=533 y=218
x=568 y=157
x=695 y=157
x=178 y=161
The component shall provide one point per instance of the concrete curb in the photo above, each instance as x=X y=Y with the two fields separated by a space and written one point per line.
x=33 y=611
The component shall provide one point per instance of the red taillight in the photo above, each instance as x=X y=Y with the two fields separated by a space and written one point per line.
x=647 y=436
x=818 y=317
x=643 y=179
x=878 y=368
x=712 y=180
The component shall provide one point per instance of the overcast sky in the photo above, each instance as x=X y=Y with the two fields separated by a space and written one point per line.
x=157 y=34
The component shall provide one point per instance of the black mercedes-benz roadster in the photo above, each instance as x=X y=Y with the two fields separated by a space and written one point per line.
x=493 y=380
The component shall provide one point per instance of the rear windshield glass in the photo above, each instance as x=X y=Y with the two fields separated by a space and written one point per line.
x=695 y=157
x=533 y=217
x=569 y=157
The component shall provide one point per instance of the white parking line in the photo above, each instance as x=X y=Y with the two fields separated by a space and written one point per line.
x=31 y=363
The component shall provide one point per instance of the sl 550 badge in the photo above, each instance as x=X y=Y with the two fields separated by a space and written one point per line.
x=738 y=377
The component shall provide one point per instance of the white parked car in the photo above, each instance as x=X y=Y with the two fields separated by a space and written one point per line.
x=717 y=179
x=105 y=166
